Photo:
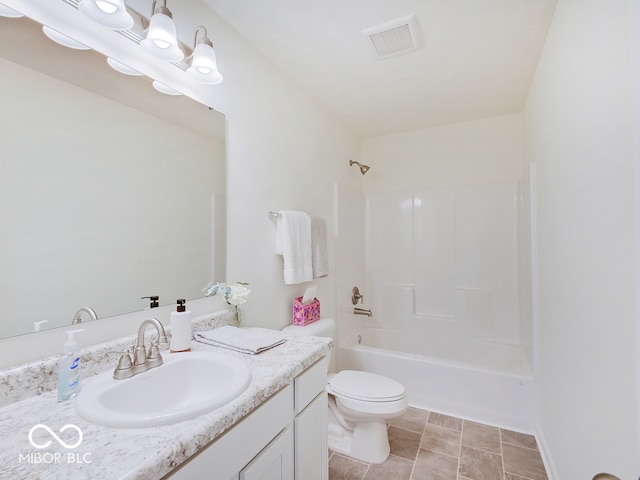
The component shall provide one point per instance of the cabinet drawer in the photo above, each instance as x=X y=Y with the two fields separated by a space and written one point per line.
x=309 y=383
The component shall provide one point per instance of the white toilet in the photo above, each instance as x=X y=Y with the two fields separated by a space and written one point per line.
x=360 y=405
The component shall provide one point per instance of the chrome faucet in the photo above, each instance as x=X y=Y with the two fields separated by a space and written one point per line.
x=143 y=359
x=362 y=311
x=77 y=318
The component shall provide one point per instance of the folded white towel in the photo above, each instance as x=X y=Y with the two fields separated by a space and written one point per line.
x=319 y=255
x=250 y=340
x=293 y=242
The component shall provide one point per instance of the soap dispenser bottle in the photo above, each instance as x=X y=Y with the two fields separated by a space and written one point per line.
x=181 y=328
x=69 y=369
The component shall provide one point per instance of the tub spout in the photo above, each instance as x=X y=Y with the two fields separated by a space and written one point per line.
x=362 y=311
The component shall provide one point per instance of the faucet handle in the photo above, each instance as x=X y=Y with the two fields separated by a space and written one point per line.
x=125 y=362
x=154 y=351
x=125 y=365
x=163 y=341
x=356 y=295
x=154 y=359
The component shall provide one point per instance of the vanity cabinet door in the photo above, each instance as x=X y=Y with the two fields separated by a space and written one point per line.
x=310 y=428
x=247 y=440
x=275 y=462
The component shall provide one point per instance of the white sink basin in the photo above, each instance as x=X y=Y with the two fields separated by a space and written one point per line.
x=187 y=385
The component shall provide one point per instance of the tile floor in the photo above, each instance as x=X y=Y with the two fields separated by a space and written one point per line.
x=431 y=446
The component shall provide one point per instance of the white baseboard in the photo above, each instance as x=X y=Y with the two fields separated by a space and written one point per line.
x=545 y=452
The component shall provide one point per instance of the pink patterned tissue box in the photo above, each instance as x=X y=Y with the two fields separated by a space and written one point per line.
x=305 y=314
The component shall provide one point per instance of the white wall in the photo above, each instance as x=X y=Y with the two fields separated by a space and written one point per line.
x=484 y=151
x=579 y=134
x=284 y=151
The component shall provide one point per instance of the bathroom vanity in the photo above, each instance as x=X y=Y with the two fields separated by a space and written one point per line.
x=283 y=439
x=275 y=429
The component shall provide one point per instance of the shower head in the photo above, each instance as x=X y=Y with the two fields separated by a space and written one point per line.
x=363 y=168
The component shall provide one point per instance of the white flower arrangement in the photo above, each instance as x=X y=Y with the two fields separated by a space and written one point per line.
x=235 y=295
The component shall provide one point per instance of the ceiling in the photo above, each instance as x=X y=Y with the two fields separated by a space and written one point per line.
x=475 y=58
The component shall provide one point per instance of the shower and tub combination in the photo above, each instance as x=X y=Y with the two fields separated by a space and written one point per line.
x=448 y=284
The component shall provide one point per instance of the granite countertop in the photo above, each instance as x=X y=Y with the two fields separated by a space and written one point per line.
x=138 y=453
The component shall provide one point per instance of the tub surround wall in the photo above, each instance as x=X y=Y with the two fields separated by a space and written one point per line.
x=469 y=155
x=446 y=257
x=527 y=266
x=349 y=207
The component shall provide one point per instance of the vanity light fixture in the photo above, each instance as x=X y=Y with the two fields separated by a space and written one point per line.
x=9 y=12
x=62 y=39
x=162 y=40
x=204 y=68
x=110 y=13
x=123 y=68
x=166 y=89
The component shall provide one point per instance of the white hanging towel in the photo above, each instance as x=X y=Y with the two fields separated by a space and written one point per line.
x=319 y=256
x=293 y=242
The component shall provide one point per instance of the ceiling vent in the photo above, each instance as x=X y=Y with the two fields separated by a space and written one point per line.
x=393 y=37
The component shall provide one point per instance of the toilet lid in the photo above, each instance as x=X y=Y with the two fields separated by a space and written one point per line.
x=366 y=386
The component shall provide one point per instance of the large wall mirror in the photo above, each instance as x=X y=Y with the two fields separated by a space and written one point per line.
x=109 y=190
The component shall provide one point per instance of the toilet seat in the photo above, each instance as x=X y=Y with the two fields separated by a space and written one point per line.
x=365 y=387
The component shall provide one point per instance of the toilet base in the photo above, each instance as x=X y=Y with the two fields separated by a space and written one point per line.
x=368 y=441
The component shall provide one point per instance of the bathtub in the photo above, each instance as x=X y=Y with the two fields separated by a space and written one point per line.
x=482 y=381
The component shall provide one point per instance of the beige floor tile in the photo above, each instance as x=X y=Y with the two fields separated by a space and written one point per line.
x=513 y=476
x=480 y=465
x=441 y=440
x=404 y=443
x=431 y=446
x=344 y=468
x=518 y=439
x=523 y=461
x=445 y=421
x=394 y=468
x=413 y=419
x=482 y=437
x=434 y=466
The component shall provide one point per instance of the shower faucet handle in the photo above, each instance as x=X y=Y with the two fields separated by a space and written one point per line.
x=355 y=296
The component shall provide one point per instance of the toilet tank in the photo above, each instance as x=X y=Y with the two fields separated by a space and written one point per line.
x=325 y=327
